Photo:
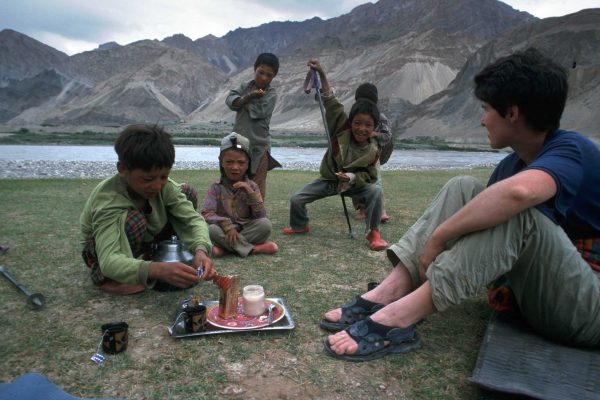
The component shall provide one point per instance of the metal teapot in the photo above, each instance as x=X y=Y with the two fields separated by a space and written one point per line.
x=172 y=251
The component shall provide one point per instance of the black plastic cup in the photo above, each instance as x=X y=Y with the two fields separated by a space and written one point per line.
x=195 y=319
x=115 y=337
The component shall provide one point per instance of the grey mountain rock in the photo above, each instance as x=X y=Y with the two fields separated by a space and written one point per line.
x=23 y=57
x=422 y=54
x=572 y=41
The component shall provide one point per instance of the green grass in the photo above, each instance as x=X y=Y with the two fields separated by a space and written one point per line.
x=312 y=273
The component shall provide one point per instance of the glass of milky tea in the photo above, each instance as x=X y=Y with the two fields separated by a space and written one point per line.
x=254 y=300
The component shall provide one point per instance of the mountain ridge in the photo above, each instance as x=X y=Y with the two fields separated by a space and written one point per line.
x=421 y=54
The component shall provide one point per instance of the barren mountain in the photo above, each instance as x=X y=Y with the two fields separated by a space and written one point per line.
x=145 y=81
x=410 y=68
x=572 y=40
x=411 y=49
x=23 y=57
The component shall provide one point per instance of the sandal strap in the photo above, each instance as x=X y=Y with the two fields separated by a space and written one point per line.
x=358 y=309
x=370 y=342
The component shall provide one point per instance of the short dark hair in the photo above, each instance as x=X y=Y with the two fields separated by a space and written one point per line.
x=142 y=146
x=269 y=59
x=364 y=106
x=366 y=91
x=529 y=80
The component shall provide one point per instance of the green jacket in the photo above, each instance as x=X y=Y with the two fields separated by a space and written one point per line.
x=104 y=217
x=364 y=167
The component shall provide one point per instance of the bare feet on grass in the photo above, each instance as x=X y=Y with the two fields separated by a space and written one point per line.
x=341 y=343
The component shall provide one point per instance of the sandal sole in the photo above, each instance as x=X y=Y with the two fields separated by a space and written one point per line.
x=400 y=348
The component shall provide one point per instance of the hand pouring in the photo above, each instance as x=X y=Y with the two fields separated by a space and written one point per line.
x=35 y=301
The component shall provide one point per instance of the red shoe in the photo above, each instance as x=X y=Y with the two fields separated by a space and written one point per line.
x=376 y=243
x=361 y=214
x=384 y=217
x=217 y=252
x=266 y=248
x=288 y=230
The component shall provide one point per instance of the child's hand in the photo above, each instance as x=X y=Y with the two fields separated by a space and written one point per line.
x=232 y=236
x=342 y=176
x=201 y=260
x=256 y=93
x=175 y=273
x=315 y=64
x=243 y=185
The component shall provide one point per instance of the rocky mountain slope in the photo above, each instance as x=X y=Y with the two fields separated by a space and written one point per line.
x=422 y=54
x=22 y=57
x=572 y=40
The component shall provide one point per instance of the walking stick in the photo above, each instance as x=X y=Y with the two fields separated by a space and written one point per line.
x=312 y=81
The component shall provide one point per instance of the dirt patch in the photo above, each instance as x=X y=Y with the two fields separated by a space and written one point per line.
x=278 y=376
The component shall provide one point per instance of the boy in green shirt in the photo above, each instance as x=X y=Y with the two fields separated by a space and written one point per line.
x=129 y=212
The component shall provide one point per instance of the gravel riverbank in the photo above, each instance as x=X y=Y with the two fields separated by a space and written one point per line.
x=27 y=169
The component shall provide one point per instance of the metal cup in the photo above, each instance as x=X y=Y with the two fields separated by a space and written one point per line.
x=195 y=319
x=115 y=337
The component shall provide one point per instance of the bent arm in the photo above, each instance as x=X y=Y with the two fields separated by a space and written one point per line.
x=498 y=203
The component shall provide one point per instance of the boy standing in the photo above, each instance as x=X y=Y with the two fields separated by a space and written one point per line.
x=129 y=212
x=253 y=103
x=348 y=167
x=536 y=227
x=233 y=206
x=383 y=136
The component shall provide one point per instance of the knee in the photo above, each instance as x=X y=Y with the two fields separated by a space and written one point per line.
x=375 y=192
x=465 y=181
x=264 y=224
x=214 y=230
x=296 y=199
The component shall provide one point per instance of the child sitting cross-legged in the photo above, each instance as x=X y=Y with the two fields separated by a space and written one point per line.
x=233 y=206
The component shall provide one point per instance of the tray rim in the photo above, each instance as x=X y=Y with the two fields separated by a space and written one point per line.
x=277 y=326
x=210 y=307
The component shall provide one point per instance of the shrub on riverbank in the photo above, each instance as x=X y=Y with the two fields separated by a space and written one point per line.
x=211 y=135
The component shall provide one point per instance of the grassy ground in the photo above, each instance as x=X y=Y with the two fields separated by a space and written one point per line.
x=312 y=274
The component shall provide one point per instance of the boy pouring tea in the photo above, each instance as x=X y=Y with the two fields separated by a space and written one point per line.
x=131 y=211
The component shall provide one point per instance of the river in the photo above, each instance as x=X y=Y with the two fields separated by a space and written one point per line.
x=29 y=161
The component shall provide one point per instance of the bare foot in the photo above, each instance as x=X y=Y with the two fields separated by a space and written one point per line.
x=341 y=343
x=333 y=315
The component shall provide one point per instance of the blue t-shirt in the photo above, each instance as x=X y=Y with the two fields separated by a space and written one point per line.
x=574 y=163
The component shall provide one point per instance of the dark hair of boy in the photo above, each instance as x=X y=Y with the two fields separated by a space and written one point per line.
x=268 y=59
x=530 y=81
x=367 y=91
x=142 y=146
x=364 y=106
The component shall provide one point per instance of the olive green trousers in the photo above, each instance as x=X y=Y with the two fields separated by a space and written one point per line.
x=556 y=290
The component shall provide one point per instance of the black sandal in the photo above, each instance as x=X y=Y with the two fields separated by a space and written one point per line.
x=373 y=345
x=357 y=310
